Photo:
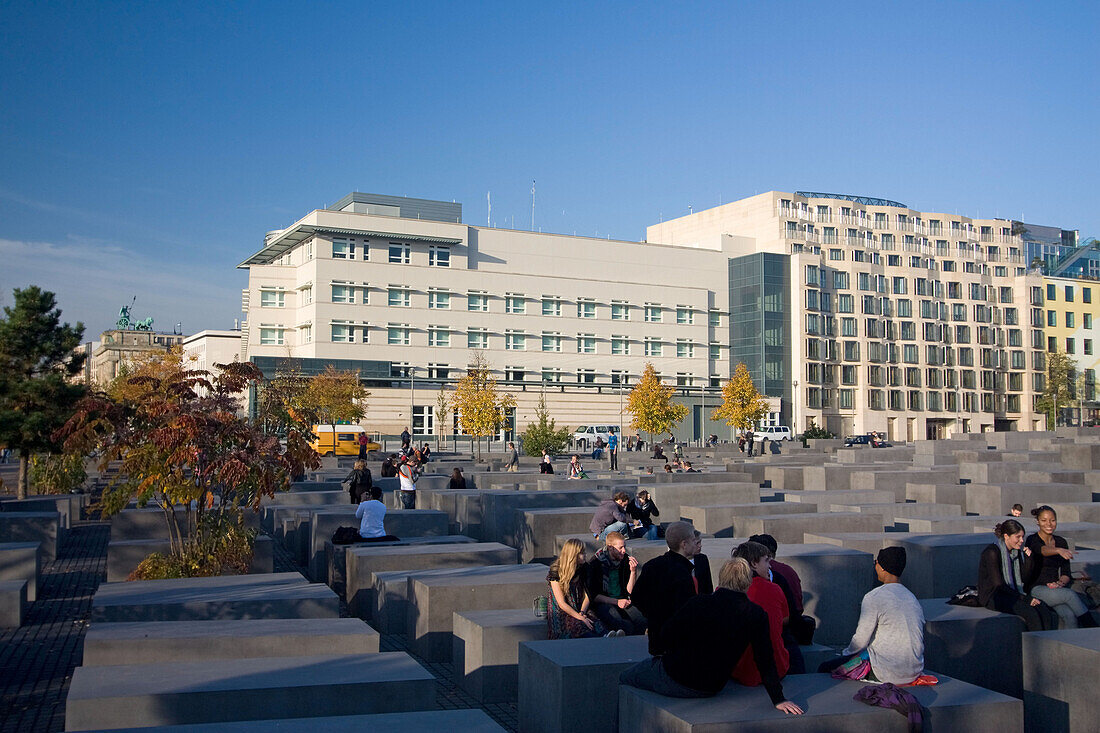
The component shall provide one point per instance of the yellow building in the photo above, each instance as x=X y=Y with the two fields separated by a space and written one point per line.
x=1072 y=307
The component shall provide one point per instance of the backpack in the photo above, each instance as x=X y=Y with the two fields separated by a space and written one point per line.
x=345 y=536
x=965 y=596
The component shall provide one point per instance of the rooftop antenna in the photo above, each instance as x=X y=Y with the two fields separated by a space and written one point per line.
x=489 y=201
x=532 y=204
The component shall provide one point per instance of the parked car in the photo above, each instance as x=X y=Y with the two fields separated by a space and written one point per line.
x=344 y=441
x=585 y=436
x=870 y=439
x=772 y=432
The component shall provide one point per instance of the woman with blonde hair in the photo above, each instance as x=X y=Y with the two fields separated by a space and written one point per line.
x=359 y=481
x=568 y=616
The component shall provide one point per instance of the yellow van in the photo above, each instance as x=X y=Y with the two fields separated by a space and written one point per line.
x=343 y=441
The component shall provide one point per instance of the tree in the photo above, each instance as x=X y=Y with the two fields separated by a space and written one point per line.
x=741 y=404
x=37 y=362
x=481 y=407
x=443 y=407
x=58 y=473
x=176 y=433
x=651 y=404
x=1058 y=390
x=543 y=433
x=814 y=431
x=280 y=402
x=335 y=397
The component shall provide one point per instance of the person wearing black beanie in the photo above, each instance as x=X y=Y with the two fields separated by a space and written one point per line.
x=890 y=633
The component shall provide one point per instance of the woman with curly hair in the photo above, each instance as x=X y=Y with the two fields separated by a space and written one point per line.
x=1050 y=580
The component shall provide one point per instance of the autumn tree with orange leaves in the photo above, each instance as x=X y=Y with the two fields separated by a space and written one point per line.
x=179 y=444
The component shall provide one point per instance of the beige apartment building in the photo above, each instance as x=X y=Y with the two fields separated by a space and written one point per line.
x=858 y=313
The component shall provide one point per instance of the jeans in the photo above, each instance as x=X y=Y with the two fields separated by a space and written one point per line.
x=644 y=533
x=649 y=674
x=621 y=527
x=629 y=619
x=1067 y=604
x=614 y=453
x=408 y=499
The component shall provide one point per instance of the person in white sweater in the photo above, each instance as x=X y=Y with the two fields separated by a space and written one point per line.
x=891 y=626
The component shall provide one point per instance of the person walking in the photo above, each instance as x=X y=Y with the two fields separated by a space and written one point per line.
x=363 y=446
x=359 y=481
x=613 y=450
x=513 y=458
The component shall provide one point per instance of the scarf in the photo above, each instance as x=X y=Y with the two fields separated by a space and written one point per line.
x=1010 y=566
x=887 y=695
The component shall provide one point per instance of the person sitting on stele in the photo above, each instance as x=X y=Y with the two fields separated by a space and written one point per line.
x=671 y=580
x=890 y=633
x=706 y=637
x=610 y=516
x=372 y=514
x=611 y=577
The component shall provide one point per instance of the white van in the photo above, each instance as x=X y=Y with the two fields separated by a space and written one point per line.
x=772 y=432
x=585 y=436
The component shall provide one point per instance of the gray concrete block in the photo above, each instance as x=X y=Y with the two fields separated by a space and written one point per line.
x=838 y=496
x=334 y=497
x=434 y=598
x=411 y=523
x=22 y=561
x=63 y=504
x=424 y=721
x=123 y=556
x=41 y=527
x=939 y=565
x=834 y=581
x=337 y=555
x=537 y=528
x=897 y=480
x=897 y=515
x=486 y=650
x=644 y=550
x=276 y=595
x=245 y=689
x=937 y=493
x=670 y=497
x=791 y=528
x=952 y=705
x=193 y=641
x=975 y=645
x=498 y=509
x=13 y=603
x=869 y=542
x=725 y=520
x=363 y=561
x=1082 y=511
x=997 y=499
x=953 y=525
x=569 y=685
x=149 y=523
x=1060 y=680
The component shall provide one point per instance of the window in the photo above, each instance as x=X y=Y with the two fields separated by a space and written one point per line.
x=551 y=306
x=1069 y=293
x=813 y=275
x=812 y=299
x=619 y=345
x=477 y=338
x=514 y=374
x=684 y=314
x=851 y=351
x=1086 y=295
x=343 y=249
x=307 y=334
x=905 y=308
x=586 y=308
x=620 y=310
x=846 y=399
x=586 y=343
x=619 y=376
x=1052 y=318
x=1070 y=346
x=835 y=254
x=551 y=341
x=845 y=303
x=586 y=376
x=1052 y=291
x=900 y=286
x=439 y=336
x=840 y=280
x=683 y=379
x=439 y=257
x=962 y=334
x=715 y=352
x=477 y=300
x=399 y=253
x=342 y=333
x=685 y=349
x=515 y=340
x=400 y=296
x=714 y=318
x=437 y=371
x=848 y=327
x=1070 y=319
x=439 y=299
x=397 y=334
x=272 y=299
x=307 y=295
x=653 y=313
x=271 y=335
x=910 y=354
x=1087 y=320
x=515 y=303
x=344 y=294
x=653 y=347
x=551 y=375
x=1088 y=347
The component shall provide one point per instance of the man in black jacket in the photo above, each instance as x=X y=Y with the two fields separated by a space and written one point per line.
x=706 y=638
x=611 y=577
x=671 y=580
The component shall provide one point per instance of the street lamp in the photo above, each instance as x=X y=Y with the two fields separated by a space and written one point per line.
x=794 y=407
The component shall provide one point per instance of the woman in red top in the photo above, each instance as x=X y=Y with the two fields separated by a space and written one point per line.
x=768 y=596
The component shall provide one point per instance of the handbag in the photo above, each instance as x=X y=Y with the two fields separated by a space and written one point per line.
x=965 y=596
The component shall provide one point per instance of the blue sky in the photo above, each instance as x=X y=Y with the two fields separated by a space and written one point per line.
x=145 y=148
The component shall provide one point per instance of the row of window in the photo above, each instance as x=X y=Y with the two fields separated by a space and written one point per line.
x=1069 y=319
x=840 y=280
x=1068 y=293
x=398 y=253
x=402 y=370
x=924 y=263
x=935 y=378
x=883 y=220
x=934 y=355
x=912 y=400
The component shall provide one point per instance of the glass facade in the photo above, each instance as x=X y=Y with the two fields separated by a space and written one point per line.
x=759 y=330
